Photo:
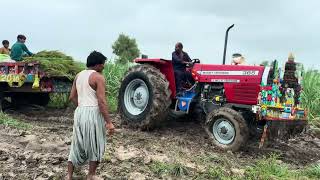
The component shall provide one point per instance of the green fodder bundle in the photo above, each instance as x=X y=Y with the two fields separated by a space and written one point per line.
x=55 y=63
x=311 y=95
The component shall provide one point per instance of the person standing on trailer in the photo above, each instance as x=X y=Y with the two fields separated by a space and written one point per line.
x=19 y=49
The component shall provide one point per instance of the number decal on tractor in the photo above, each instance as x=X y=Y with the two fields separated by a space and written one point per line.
x=229 y=73
x=250 y=73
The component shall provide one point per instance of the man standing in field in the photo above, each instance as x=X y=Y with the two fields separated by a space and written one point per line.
x=19 y=49
x=91 y=118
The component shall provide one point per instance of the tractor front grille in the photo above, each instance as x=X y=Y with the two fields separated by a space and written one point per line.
x=245 y=92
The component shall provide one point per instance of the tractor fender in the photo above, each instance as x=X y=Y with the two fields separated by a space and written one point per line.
x=166 y=68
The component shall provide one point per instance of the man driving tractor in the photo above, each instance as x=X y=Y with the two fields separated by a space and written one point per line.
x=180 y=60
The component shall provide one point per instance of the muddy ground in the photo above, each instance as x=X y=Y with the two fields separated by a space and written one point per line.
x=41 y=152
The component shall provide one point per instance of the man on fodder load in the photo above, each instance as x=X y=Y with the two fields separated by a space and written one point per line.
x=19 y=49
x=180 y=59
x=91 y=118
x=5 y=49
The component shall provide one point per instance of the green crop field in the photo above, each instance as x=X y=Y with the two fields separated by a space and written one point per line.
x=311 y=95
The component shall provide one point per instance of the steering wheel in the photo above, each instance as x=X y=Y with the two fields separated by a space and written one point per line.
x=195 y=61
x=190 y=64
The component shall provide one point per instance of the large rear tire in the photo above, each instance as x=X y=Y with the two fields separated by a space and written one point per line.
x=227 y=129
x=144 y=97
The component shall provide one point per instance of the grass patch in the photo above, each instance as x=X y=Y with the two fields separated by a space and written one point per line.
x=107 y=157
x=216 y=172
x=112 y=103
x=9 y=121
x=312 y=172
x=268 y=168
x=175 y=169
x=59 y=100
x=216 y=159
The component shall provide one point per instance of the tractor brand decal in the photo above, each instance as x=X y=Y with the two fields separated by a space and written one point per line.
x=226 y=80
x=229 y=73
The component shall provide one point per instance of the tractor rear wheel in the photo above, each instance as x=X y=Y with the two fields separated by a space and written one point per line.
x=227 y=128
x=144 y=97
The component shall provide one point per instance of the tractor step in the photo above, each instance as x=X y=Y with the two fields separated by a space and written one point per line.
x=183 y=102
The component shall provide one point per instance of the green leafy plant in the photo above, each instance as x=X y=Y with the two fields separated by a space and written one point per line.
x=9 y=121
x=114 y=74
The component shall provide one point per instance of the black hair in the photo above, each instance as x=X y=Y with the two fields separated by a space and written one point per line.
x=5 y=42
x=236 y=55
x=95 y=58
x=180 y=45
x=20 y=36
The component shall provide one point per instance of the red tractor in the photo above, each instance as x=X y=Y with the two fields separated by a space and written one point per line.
x=235 y=100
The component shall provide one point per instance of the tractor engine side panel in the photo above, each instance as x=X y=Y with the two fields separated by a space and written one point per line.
x=241 y=83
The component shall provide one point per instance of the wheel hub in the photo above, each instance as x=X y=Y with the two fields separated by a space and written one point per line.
x=223 y=131
x=136 y=96
x=139 y=97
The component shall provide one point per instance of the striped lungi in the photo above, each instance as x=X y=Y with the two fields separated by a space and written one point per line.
x=89 y=136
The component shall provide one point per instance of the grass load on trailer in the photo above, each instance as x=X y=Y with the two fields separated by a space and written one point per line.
x=32 y=80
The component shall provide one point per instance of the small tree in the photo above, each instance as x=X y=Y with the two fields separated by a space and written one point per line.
x=265 y=63
x=126 y=49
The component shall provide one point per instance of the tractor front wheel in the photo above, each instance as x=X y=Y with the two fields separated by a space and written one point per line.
x=227 y=129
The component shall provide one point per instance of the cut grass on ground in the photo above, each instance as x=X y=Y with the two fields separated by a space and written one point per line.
x=214 y=173
x=171 y=169
x=271 y=168
x=9 y=121
x=312 y=172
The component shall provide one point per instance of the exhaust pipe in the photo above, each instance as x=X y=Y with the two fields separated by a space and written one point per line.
x=225 y=44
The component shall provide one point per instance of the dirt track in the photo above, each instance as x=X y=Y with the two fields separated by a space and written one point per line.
x=41 y=153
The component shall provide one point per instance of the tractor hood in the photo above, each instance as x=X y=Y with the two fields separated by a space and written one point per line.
x=228 y=73
x=241 y=83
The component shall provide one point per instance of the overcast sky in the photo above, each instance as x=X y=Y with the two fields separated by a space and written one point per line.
x=264 y=30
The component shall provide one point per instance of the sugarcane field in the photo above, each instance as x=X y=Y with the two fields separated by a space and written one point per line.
x=154 y=90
